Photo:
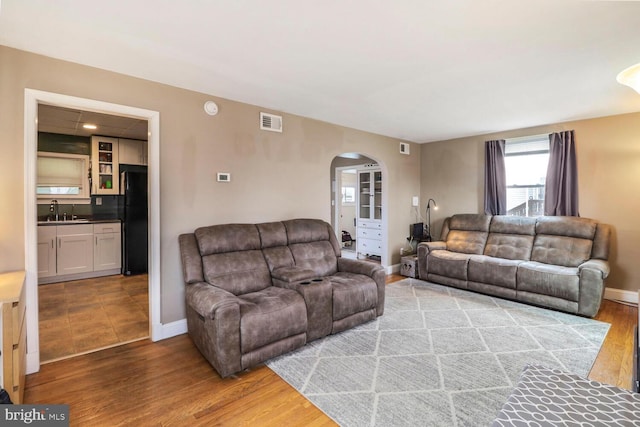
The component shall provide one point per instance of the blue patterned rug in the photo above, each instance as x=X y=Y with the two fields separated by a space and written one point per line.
x=439 y=356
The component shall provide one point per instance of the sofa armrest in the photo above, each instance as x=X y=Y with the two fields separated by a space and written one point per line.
x=424 y=248
x=592 y=274
x=206 y=299
x=599 y=265
x=375 y=271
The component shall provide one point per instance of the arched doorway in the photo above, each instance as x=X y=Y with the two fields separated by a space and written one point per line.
x=358 y=206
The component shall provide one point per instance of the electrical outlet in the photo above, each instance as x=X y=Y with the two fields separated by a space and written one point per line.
x=415 y=201
x=98 y=201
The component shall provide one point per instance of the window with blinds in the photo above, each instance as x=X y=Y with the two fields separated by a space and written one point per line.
x=526 y=161
x=63 y=176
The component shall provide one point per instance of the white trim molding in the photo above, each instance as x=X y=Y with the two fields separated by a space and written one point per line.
x=621 y=295
x=32 y=98
x=172 y=329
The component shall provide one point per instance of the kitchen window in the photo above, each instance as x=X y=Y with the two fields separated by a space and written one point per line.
x=63 y=176
x=526 y=161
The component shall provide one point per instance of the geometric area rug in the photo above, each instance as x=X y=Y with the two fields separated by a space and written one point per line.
x=439 y=356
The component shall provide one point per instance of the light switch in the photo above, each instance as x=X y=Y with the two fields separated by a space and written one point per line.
x=98 y=201
x=415 y=201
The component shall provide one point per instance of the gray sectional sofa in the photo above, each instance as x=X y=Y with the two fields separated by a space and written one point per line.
x=255 y=291
x=554 y=262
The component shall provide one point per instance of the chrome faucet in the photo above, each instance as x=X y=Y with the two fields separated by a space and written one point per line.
x=53 y=208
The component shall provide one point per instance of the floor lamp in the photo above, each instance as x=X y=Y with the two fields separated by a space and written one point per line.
x=435 y=207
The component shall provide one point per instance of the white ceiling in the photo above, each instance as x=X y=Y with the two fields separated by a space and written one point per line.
x=420 y=70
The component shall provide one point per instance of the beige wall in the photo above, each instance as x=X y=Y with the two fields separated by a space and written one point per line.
x=608 y=151
x=274 y=176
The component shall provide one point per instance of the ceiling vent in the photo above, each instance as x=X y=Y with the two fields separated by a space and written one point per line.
x=404 y=148
x=270 y=122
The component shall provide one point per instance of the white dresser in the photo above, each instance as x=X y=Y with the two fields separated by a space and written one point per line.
x=13 y=334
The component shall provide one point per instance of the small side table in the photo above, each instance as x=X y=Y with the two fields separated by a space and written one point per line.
x=409 y=266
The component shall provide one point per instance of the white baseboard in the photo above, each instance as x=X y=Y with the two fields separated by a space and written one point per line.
x=163 y=331
x=621 y=295
x=391 y=269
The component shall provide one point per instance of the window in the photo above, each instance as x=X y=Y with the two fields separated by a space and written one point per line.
x=63 y=176
x=348 y=195
x=526 y=161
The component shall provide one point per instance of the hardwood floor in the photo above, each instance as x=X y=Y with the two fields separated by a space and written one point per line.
x=169 y=383
x=87 y=315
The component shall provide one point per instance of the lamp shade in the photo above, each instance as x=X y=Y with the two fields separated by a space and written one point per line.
x=630 y=77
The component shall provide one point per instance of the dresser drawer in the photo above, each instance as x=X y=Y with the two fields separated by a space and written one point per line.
x=370 y=246
x=369 y=233
x=370 y=224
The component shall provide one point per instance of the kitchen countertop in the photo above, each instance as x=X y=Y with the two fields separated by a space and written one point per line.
x=78 y=221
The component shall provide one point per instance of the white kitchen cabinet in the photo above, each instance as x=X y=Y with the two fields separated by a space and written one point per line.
x=78 y=251
x=369 y=239
x=75 y=249
x=132 y=152
x=105 y=173
x=107 y=251
x=46 y=251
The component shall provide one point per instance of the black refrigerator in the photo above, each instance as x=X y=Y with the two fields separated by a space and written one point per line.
x=133 y=185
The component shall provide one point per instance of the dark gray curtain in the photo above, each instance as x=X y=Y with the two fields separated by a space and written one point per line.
x=561 y=187
x=495 y=178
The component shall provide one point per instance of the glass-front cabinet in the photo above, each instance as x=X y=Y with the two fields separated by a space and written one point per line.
x=369 y=220
x=370 y=194
x=104 y=165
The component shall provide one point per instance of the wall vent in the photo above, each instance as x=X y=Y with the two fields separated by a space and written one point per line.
x=270 y=122
x=404 y=148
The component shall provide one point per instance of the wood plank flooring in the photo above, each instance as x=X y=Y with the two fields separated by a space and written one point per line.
x=169 y=383
x=87 y=315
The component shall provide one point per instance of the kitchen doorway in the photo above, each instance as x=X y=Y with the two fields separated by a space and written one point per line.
x=33 y=98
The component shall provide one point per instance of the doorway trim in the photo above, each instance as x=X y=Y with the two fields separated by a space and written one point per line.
x=32 y=98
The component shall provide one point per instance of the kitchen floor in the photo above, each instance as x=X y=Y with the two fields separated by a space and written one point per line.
x=83 y=316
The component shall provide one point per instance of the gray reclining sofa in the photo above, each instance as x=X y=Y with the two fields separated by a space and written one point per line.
x=552 y=261
x=255 y=291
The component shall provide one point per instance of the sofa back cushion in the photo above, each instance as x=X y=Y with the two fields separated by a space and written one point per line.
x=313 y=245
x=511 y=237
x=565 y=241
x=232 y=259
x=273 y=241
x=468 y=233
x=318 y=256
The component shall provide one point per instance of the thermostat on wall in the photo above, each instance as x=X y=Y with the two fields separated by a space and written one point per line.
x=224 y=177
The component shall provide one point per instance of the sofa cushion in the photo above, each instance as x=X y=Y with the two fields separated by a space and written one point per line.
x=510 y=237
x=237 y=272
x=495 y=271
x=278 y=257
x=318 y=256
x=466 y=242
x=270 y=315
x=504 y=224
x=509 y=246
x=306 y=230
x=571 y=226
x=227 y=238
x=546 y=279
x=470 y=222
x=561 y=250
x=272 y=234
x=352 y=293
x=448 y=264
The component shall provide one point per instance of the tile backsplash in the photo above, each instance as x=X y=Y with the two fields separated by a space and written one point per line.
x=111 y=208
